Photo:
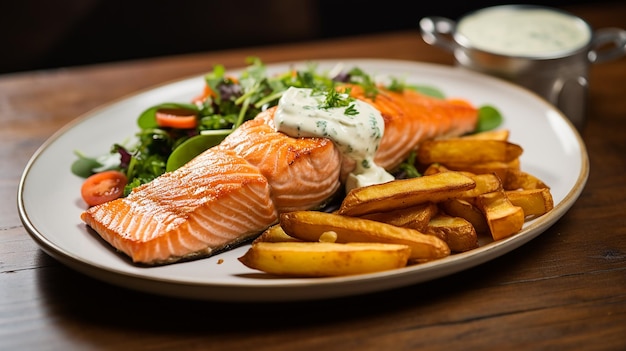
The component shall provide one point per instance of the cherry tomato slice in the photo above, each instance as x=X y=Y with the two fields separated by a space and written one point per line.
x=103 y=187
x=176 y=118
x=205 y=94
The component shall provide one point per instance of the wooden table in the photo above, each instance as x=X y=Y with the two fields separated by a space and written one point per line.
x=566 y=289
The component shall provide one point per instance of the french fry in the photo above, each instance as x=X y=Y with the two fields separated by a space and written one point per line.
x=501 y=169
x=534 y=202
x=503 y=218
x=466 y=210
x=485 y=183
x=496 y=134
x=309 y=225
x=323 y=259
x=434 y=168
x=404 y=193
x=518 y=179
x=467 y=151
x=415 y=217
x=457 y=232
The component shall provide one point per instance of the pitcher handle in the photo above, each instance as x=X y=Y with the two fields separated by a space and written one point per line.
x=607 y=36
x=437 y=30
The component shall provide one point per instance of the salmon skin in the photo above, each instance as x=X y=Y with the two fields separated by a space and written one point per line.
x=235 y=190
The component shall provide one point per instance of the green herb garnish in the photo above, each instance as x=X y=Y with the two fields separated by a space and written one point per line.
x=488 y=118
x=336 y=99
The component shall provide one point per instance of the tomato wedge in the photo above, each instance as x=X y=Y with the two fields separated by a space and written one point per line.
x=176 y=118
x=103 y=187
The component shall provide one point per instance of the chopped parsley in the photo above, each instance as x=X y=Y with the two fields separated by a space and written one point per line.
x=336 y=99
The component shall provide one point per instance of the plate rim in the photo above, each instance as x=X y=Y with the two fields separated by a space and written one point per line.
x=300 y=290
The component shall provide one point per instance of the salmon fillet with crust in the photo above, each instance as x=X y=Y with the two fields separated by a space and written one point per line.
x=216 y=200
x=303 y=173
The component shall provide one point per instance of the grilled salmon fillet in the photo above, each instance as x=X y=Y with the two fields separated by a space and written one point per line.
x=303 y=173
x=235 y=190
x=216 y=200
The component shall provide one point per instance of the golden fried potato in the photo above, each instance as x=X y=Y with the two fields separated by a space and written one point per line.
x=309 y=225
x=415 y=217
x=322 y=259
x=496 y=134
x=405 y=193
x=485 y=183
x=466 y=210
x=501 y=169
x=456 y=231
x=534 y=202
x=467 y=151
x=503 y=218
x=518 y=179
x=328 y=237
x=434 y=168
x=274 y=234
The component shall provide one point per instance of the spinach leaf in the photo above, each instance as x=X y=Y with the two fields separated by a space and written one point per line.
x=192 y=147
x=488 y=118
x=85 y=166
x=430 y=91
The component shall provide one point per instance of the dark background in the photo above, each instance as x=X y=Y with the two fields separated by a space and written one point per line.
x=49 y=34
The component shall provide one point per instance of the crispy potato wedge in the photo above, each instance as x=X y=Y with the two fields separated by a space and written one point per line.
x=434 y=168
x=309 y=225
x=503 y=218
x=405 y=193
x=496 y=134
x=456 y=231
x=534 y=202
x=518 y=179
x=274 y=234
x=466 y=210
x=501 y=169
x=416 y=217
x=467 y=151
x=322 y=259
x=485 y=183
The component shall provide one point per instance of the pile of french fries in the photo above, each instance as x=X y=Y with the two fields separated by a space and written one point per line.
x=471 y=186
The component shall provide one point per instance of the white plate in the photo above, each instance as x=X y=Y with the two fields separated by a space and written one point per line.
x=553 y=151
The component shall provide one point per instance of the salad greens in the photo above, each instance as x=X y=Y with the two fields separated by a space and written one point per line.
x=227 y=102
x=488 y=118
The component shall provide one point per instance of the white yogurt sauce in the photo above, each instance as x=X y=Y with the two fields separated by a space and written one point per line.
x=301 y=113
x=524 y=32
